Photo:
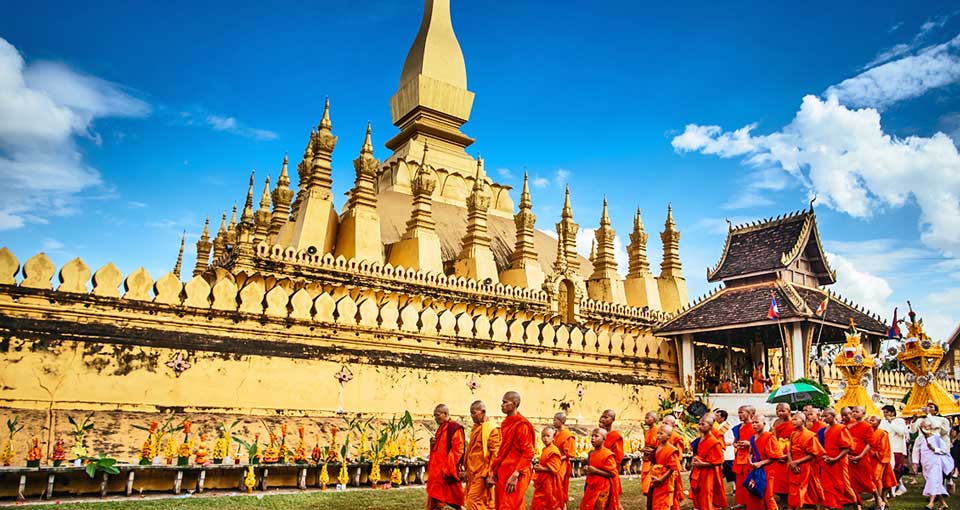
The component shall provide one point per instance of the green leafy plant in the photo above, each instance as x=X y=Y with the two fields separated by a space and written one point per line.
x=102 y=464
x=819 y=401
x=251 y=448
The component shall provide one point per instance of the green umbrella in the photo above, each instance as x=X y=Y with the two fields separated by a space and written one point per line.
x=793 y=393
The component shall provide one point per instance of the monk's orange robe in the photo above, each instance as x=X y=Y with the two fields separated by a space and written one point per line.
x=649 y=440
x=516 y=454
x=835 y=478
x=883 y=477
x=567 y=444
x=481 y=450
x=725 y=388
x=741 y=463
x=665 y=458
x=804 y=487
x=706 y=483
x=768 y=448
x=599 y=491
x=782 y=432
x=757 y=386
x=614 y=443
x=443 y=467
x=816 y=426
x=678 y=442
x=861 y=472
x=546 y=485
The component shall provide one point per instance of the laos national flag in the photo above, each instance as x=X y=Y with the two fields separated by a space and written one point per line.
x=774 y=312
x=894 y=331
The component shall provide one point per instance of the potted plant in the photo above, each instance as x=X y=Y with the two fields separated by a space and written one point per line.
x=186 y=447
x=80 y=430
x=6 y=456
x=102 y=464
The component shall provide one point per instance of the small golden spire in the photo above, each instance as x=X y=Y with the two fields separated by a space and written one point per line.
x=325 y=123
x=593 y=250
x=604 y=217
x=233 y=219
x=567 y=210
x=284 y=180
x=176 y=267
x=525 y=201
x=637 y=221
x=247 y=215
x=478 y=180
x=669 y=224
x=367 y=147
x=223 y=225
x=265 y=196
x=206 y=229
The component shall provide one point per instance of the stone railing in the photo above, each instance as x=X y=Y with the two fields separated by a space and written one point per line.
x=339 y=306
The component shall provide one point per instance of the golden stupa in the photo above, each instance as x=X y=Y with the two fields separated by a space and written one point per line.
x=922 y=357
x=854 y=363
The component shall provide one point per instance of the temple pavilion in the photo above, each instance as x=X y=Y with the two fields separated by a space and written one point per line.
x=725 y=333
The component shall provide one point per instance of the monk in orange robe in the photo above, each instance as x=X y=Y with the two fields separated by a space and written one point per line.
x=666 y=467
x=814 y=423
x=548 y=475
x=804 y=449
x=678 y=442
x=758 y=379
x=614 y=443
x=511 y=470
x=602 y=475
x=834 y=472
x=481 y=450
x=567 y=444
x=649 y=446
x=725 y=386
x=861 y=462
x=706 y=480
x=446 y=457
x=770 y=454
x=782 y=429
x=884 y=477
x=741 y=462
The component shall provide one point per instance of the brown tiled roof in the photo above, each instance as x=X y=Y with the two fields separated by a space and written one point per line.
x=760 y=247
x=745 y=305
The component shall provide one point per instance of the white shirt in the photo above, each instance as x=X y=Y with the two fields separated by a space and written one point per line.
x=940 y=424
x=897 y=430
x=728 y=453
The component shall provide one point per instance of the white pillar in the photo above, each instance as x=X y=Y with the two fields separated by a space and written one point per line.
x=797 y=361
x=687 y=362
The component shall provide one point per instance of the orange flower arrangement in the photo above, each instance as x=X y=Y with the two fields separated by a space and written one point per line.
x=59 y=453
x=34 y=455
x=300 y=455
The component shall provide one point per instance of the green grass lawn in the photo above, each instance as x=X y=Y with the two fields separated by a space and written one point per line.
x=392 y=499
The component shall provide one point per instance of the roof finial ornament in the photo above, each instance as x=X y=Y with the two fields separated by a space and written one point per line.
x=567 y=210
x=812 y=200
x=325 y=123
x=176 y=267
x=525 y=194
x=729 y=223
x=604 y=217
x=367 y=143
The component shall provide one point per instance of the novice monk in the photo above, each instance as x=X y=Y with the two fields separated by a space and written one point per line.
x=443 y=468
x=861 y=462
x=706 y=480
x=666 y=467
x=768 y=449
x=649 y=445
x=547 y=475
x=782 y=428
x=834 y=475
x=567 y=444
x=481 y=450
x=614 y=443
x=602 y=476
x=804 y=448
x=741 y=463
x=677 y=441
x=511 y=471
x=883 y=475
x=814 y=423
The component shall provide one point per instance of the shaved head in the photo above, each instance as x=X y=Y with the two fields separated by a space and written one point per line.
x=512 y=396
x=599 y=430
x=611 y=413
x=561 y=417
x=478 y=405
x=670 y=420
x=708 y=418
x=442 y=408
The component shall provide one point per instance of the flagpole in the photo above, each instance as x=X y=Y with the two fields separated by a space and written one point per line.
x=783 y=345
x=823 y=318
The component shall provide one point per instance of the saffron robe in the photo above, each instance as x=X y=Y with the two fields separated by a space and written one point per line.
x=443 y=467
x=883 y=476
x=816 y=426
x=768 y=448
x=861 y=472
x=757 y=386
x=599 y=491
x=481 y=450
x=835 y=478
x=706 y=484
x=614 y=443
x=804 y=487
x=546 y=485
x=649 y=440
x=781 y=474
x=678 y=442
x=741 y=462
x=661 y=496
x=517 y=439
x=567 y=444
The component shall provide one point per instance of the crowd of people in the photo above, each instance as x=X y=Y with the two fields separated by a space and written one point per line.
x=810 y=459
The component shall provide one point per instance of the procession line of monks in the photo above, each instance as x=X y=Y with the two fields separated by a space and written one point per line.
x=808 y=462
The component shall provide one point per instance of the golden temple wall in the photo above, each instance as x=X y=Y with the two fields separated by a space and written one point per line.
x=262 y=348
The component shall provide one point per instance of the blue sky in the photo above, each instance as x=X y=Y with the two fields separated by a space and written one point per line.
x=126 y=125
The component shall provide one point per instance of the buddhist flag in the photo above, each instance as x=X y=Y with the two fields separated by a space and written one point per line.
x=774 y=312
x=822 y=309
x=894 y=331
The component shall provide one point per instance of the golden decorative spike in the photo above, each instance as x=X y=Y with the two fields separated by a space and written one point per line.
x=176 y=267
x=203 y=248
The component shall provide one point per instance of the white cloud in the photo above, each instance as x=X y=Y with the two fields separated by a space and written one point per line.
x=895 y=27
x=908 y=77
x=561 y=177
x=232 y=125
x=50 y=244
x=505 y=173
x=540 y=182
x=863 y=288
x=586 y=237
x=43 y=106
x=852 y=165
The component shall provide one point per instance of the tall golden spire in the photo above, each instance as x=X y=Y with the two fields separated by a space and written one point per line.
x=203 y=249
x=176 y=267
x=262 y=216
x=476 y=259
x=637 y=250
x=605 y=283
x=419 y=247
x=359 y=234
x=641 y=287
x=246 y=218
x=525 y=269
x=220 y=242
x=365 y=166
x=281 y=201
x=670 y=266
x=567 y=234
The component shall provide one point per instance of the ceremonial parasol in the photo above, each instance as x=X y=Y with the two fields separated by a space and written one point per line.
x=793 y=393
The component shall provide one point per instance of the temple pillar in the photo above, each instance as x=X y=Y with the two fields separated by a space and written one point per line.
x=796 y=363
x=687 y=365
